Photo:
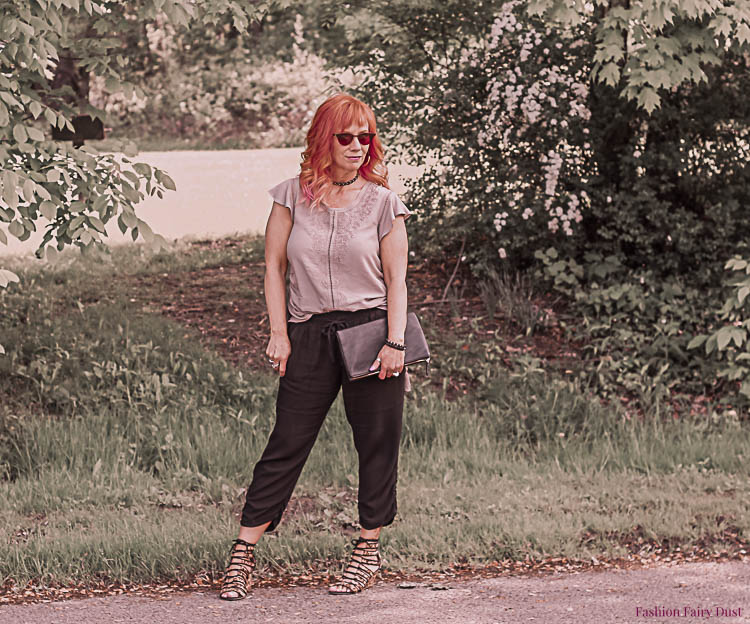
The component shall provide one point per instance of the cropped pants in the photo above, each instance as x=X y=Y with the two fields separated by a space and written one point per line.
x=374 y=408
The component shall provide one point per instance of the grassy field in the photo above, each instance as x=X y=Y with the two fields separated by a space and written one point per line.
x=126 y=445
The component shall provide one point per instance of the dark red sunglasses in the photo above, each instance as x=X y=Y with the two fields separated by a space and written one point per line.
x=347 y=137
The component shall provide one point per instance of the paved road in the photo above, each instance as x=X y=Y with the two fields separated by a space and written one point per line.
x=218 y=193
x=688 y=593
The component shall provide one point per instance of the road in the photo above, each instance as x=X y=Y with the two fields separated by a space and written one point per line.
x=218 y=193
x=686 y=593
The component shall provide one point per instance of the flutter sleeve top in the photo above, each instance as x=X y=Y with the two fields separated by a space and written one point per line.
x=334 y=253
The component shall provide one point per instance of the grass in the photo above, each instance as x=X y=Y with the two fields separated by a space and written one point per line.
x=125 y=448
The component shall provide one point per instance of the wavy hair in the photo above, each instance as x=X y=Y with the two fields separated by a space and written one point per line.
x=333 y=116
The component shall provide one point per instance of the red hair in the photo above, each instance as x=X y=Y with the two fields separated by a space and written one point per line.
x=333 y=116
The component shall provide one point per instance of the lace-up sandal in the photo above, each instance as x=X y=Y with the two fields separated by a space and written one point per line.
x=241 y=565
x=363 y=566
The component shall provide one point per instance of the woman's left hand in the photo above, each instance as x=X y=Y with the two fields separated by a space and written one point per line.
x=390 y=361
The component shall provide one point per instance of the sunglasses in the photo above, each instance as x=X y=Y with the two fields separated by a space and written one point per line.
x=344 y=138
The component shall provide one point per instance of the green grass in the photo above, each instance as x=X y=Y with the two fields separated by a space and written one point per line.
x=125 y=447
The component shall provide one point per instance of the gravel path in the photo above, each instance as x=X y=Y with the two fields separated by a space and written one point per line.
x=695 y=592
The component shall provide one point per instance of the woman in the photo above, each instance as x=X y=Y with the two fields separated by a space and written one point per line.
x=340 y=232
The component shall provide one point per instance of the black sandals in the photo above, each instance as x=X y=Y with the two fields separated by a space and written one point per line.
x=363 y=566
x=237 y=578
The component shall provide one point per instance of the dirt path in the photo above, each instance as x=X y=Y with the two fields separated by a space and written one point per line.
x=694 y=592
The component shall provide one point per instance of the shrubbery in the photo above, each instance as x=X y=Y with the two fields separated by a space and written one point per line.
x=222 y=93
x=525 y=153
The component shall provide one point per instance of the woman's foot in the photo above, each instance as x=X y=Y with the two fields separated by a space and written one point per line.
x=363 y=566
x=238 y=575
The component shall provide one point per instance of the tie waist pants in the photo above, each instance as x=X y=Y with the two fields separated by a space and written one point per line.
x=374 y=408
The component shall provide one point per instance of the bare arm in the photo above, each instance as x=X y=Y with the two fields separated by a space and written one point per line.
x=394 y=254
x=277 y=235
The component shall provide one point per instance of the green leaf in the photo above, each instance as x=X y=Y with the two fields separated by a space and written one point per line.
x=697 y=341
x=19 y=133
x=28 y=190
x=48 y=210
x=10 y=196
x=16 y=229
x=35 y=134
x=36 y=109
x=146 y=231
x=134 y=179
x=735 y=264
x=742 y=294
x=3 y=238
x=76 y=223
x=711 y=344
x=609 y=74
x=6 y=277
x=648 y=99
x=143 y=169
x=168 y=182
x=100 y=204
x=97 y=224
x=723 y=336
x=129 y=219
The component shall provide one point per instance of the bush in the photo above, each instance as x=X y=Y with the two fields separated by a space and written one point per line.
x=236 y=97
x=635 y=328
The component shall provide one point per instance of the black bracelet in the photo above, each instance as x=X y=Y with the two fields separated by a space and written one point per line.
x=395 y=345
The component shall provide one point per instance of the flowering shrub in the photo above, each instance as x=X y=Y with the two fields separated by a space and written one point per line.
x=516 y=178
x=537 y=101
x=524 y=151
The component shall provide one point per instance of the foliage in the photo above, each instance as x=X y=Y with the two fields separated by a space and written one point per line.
x=116 y=482
x=635 y=329
x=526 y=151
x=513 y=297
x=647 y=48
x=243 y=102
x=729 y=344
x=48 y=52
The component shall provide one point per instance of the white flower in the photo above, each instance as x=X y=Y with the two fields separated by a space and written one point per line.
x=502 y=253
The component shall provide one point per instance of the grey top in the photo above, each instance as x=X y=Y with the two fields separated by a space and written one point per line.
x=334 y=253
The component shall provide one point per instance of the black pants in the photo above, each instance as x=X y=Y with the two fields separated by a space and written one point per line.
x=314 y=374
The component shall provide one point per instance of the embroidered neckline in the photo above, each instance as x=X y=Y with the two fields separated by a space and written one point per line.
x=360 y=196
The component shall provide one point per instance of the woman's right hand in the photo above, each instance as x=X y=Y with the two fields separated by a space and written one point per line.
x=279 y=349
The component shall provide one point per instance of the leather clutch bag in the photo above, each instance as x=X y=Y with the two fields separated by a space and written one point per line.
x=361 y=344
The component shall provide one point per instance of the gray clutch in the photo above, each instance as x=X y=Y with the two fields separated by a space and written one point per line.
x=361 y=344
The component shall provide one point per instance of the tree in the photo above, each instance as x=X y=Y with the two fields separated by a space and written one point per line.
x=48 y=51
x=647 y=47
